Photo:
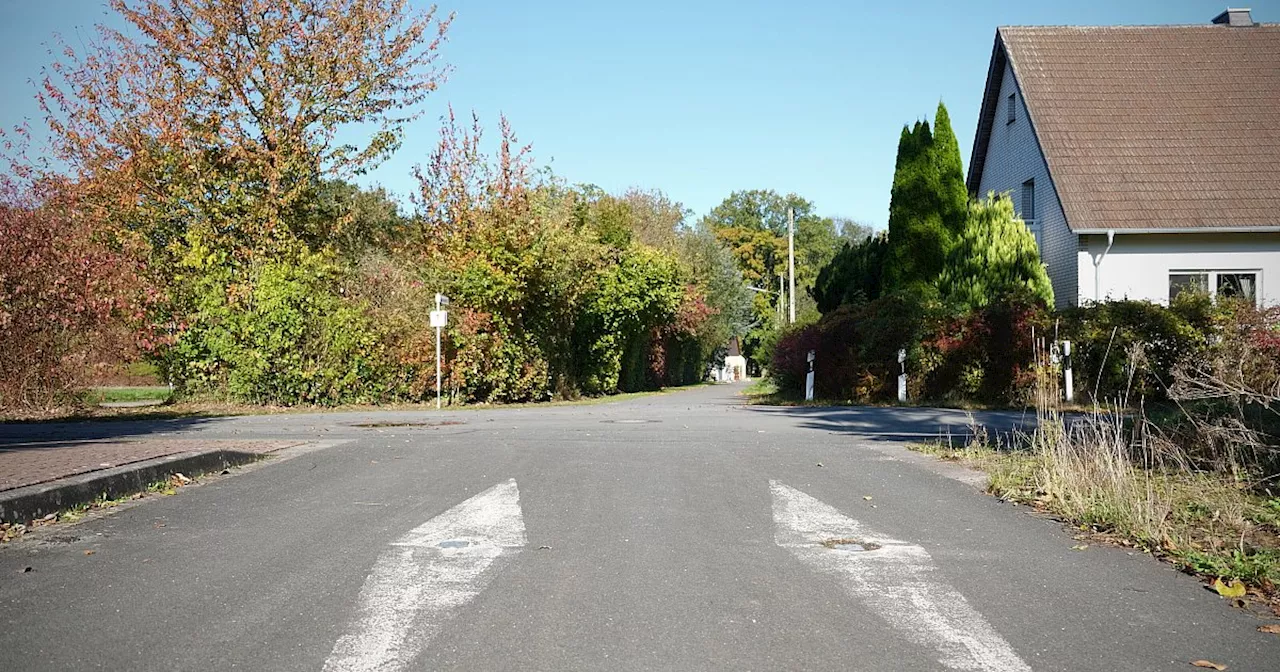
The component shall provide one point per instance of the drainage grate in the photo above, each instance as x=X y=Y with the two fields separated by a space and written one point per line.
x=383 y=425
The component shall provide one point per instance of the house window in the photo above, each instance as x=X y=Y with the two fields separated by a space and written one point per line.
x=1012 y=110
x=1217 y=284
x=1238 y=286
x=1028 y=206
x=1188 y=283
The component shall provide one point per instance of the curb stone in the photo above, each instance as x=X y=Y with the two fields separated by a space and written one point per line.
x=32 y=502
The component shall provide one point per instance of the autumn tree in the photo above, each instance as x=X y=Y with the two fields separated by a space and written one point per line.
x=211 y=133
x=753 y=226
x=206 y=125
x=354 y=220
x=658 y=220
x=67 y=300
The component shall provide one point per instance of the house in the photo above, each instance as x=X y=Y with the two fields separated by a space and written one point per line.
x=1145 y=159
x=735 y=365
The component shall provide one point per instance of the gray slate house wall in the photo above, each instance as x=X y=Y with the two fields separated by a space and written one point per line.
x=1014 y=157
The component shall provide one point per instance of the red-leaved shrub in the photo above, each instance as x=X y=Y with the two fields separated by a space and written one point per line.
x=69 y=301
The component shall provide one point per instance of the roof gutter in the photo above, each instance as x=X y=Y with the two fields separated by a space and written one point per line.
x=1195 y=229
x=1097 y=266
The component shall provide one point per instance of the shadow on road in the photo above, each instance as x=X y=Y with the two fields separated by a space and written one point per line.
x=907 y=424
x=16 y=436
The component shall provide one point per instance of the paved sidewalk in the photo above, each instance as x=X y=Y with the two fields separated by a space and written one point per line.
x=41 y=462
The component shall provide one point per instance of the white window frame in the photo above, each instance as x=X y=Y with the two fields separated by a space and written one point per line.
x=1033 y=222
x=1212 y=279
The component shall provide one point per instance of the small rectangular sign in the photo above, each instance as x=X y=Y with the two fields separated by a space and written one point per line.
x=439 y=318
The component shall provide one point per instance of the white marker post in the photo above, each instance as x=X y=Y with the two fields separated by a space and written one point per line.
x=439 y=318
x=808 y=379
x=902 y=377
x=1066 y=371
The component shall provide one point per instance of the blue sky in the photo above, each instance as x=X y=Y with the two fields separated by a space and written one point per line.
x=697 y=98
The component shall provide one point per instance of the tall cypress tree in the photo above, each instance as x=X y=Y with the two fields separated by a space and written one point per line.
x=928 y=204
x=917 y=236
x=953 y=195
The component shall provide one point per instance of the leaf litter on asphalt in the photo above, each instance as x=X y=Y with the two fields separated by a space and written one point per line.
x=1235 y=589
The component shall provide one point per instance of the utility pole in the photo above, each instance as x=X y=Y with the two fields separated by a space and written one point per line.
x=791 y=256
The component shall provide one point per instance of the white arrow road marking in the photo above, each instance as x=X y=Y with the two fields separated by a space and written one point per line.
x=898 y=580
x=425 y=577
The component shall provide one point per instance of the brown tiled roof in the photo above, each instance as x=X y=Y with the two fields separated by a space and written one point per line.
x=1154 y=127
x=735 y=348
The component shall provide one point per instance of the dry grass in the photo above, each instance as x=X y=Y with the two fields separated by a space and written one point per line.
x=1122 y=479
x=1207 y=522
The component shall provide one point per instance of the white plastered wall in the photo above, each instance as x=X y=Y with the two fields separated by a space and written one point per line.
x=1138 y=265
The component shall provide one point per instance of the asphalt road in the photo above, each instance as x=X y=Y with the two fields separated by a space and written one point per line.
x=675 y=532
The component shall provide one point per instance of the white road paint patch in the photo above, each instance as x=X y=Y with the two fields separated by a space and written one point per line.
x=418 y=584
x=898 y=581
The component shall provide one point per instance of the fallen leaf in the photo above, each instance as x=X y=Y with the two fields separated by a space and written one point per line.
x=181 y=478
x=1079 y=547
x=819 y=464
x=1272 y=629
x=1233 y=589
x=90 y=552
x=867 y=497
x=1208 y=665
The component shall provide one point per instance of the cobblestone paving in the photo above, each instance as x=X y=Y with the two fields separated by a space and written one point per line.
x=32 y=463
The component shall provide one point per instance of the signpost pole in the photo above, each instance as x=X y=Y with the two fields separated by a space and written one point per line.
x=437 y=356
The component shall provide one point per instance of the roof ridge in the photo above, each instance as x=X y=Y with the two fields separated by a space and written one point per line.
x=1143 y=26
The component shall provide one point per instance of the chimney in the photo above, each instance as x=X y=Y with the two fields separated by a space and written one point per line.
x=1235 y=17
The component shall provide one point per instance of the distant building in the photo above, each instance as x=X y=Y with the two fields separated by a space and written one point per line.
x=1145 y=159
x=735 y=365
